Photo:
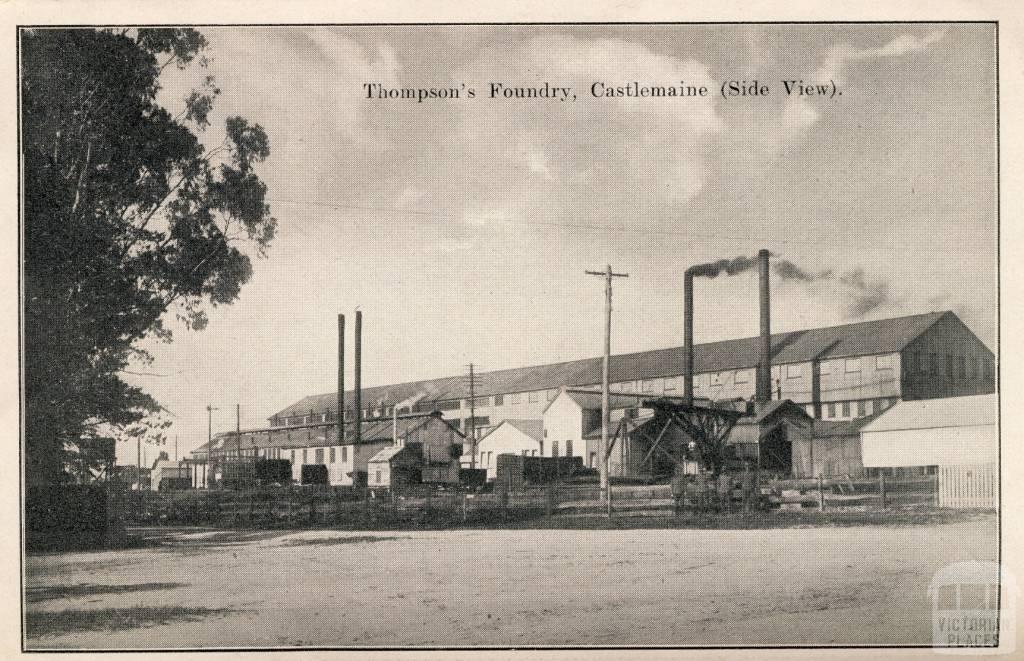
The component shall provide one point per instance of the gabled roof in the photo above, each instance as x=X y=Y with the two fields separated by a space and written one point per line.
x=532 y=428
x=775 y=408
x=848 y=340
x=969 y=411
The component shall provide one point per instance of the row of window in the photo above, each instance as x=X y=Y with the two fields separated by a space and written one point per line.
x=319 y=455
x=855 y=409
x=951 y=366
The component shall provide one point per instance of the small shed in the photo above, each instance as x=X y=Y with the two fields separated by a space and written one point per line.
x=770 y=434
x=518 y=437
x=395 y=467
x=832 y=449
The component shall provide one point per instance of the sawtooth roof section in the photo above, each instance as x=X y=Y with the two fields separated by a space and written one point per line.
x=848 y=340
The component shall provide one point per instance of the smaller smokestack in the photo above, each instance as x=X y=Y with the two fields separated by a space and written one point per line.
x=764 y=372
x=688 y=337
x=341 y=379
x=359 y=376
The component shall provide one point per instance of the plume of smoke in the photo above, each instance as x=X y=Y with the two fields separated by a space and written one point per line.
x=866 y=295
x=727 y=266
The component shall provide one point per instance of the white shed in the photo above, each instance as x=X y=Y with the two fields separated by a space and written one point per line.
x=953 y=431
x=525 y=437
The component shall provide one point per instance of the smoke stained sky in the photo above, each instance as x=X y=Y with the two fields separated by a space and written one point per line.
x=463 y=230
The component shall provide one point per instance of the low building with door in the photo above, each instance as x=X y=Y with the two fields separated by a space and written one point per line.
x=518 y=437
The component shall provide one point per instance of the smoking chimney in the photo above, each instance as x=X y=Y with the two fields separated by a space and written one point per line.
x=688 y=337
x=763 y=390
x=359 y=376
x=341 y=379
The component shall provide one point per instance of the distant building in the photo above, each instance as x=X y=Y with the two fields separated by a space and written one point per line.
x=835 y=373
x=347 y=462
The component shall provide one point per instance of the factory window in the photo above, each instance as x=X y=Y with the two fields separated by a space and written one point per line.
x=649 y=384
x=831 y=410
x=533 y=397
x=533 y=453
x=344 y=454
x=716 y=379
x=447 y=405
x=862 y=409
x=743 y=376
x=852 y=365
x=794 y=371
x=293 y=456
x=304 y=455
x=626 y=386
x=515 y=398
x=377 y=477
x=499 y=400
x=825 y=367
x=554 y=448
x=593 y=460
x=846 y=409
x=333 y=456
x=670 y=384
x=568 y=448
x=883 y=362
x=319 y=455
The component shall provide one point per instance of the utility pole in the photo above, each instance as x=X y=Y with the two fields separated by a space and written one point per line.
x=607 y=274
x=209 y=442
x=175 y=448
x=472 y=417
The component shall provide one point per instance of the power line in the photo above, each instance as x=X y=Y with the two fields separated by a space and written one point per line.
x=690 y=232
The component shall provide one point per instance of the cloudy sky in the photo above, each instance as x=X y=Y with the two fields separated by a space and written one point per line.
x=462 y=229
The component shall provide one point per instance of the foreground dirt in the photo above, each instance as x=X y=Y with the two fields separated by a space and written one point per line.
x=844 y=585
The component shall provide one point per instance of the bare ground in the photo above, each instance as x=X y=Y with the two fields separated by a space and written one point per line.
x=850 y=584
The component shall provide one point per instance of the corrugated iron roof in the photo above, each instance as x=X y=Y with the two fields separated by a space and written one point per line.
x=848 y=340
x=969 y=411
x=835 y=428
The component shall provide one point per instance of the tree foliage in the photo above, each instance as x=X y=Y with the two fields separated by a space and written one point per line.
x=128 y=217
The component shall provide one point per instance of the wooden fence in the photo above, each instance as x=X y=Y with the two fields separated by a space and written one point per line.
x=969 y=486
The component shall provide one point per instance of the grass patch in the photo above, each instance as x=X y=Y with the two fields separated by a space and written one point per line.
x=333 y=541
x=49 y=592
x=50 y=623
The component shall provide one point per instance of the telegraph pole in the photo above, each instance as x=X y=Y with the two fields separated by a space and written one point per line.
x=472 y=417
x=607 y=274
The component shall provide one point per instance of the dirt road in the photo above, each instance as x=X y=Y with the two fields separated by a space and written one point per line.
x=856 y=585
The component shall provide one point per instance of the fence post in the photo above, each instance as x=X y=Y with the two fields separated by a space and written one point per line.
x=464 y=498
x=881 y=488
x=935 y=486
x=821 y=494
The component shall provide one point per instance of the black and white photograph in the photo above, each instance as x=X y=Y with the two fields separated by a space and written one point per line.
x=494 y=336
